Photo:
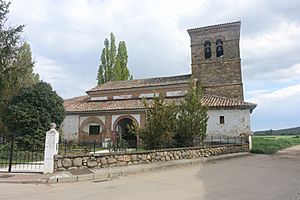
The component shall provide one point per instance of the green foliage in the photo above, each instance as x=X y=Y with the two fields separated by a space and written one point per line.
x=113 y=64
x=30 y=113
x=191 y=118
x=288 y=131
x=168 y=124
x=16 y=64
x=272 y=144
x=121 y=71
x=122 y=144
x=160 y=124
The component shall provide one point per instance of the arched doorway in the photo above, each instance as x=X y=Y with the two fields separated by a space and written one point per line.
x=124 y=132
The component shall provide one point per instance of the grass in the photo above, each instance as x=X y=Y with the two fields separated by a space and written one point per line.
x=272 y=144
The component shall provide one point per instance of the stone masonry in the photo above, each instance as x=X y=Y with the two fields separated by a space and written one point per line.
x=72 y=162
x=218 y=75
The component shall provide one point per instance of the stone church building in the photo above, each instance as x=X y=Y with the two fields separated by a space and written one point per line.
x=216 y=65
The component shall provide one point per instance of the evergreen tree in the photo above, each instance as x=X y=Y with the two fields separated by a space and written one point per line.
x=160 y=124
x=191 y=118
x=15 y=61
x=30 y=113
x=113 y=64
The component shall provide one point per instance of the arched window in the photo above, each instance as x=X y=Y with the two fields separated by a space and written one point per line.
x=219 y=48
x=207 y=49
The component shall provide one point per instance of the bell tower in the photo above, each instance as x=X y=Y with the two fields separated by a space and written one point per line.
x=216 y=61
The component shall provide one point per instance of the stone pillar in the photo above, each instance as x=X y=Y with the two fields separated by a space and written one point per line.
x=51 y=149
x=250 y=142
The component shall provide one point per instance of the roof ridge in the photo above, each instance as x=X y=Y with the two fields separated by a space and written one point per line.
x=214 y=25
x=158 y=77
x=69 y=99
x=144 y=81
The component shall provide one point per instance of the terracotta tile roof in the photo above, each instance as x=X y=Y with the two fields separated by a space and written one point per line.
x=213 y=101
x=82 y=104
x=138 y=83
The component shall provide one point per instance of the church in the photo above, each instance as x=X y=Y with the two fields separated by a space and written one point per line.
x=108 y=108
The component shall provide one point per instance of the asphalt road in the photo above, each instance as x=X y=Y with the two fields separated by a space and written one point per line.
x=260 y=177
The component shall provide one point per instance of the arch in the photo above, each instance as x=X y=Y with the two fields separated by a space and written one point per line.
x=90 y=120
x=207 y=49
x=123 y=131
x=219 y=48
x=124 y=117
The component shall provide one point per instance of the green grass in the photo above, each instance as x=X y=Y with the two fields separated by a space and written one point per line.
x=272 y=144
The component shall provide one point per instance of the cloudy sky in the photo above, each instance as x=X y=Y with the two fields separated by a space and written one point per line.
x=67 y=36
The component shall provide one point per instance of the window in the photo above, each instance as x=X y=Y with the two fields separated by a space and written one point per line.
x=207 y=49
x=222 y=120
x=219 y=48
x=94 y=129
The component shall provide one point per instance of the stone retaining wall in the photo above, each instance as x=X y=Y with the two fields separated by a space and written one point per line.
x=71 y=162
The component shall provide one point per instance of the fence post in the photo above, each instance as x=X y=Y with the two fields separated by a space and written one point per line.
x=94 y=146
x=11 y=151
x=51 y=149
x=65 y=147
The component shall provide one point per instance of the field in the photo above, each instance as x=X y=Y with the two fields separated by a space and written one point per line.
x=272 y=144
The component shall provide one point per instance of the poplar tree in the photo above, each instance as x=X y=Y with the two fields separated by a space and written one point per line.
x=121 y=71
x=113 y=63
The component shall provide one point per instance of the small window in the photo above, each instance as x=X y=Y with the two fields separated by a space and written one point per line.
x=219 y=48
x=94 y=130
x=207 y=49
x=222 y=120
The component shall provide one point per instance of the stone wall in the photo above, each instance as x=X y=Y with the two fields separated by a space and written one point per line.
x=71 y=162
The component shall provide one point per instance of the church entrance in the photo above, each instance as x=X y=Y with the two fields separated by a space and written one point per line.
x=126 y=137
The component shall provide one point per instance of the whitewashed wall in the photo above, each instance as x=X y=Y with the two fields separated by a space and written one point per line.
x=70 y=127
x=237 y=121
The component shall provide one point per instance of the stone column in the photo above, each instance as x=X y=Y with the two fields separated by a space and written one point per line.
x=51 y=149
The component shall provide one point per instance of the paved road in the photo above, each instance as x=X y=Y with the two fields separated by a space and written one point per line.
x=258 y=177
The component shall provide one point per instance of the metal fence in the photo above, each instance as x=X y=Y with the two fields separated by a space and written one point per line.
x=77 y=147
x=18 y=158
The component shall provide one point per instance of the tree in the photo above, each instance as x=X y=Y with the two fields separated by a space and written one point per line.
x=113 y=65
x=30 y=113
x=160 y=124
x=191 y=118
x=15 y=61
x=121 y=71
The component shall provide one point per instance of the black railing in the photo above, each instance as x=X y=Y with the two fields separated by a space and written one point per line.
x=19 y=158
x=94 y=146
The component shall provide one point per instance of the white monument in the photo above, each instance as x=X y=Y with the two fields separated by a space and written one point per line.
x=51 y=148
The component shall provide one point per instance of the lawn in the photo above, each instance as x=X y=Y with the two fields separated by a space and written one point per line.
x=272 y=144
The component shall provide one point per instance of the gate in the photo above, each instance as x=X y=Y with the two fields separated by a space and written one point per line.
x=18 y=158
